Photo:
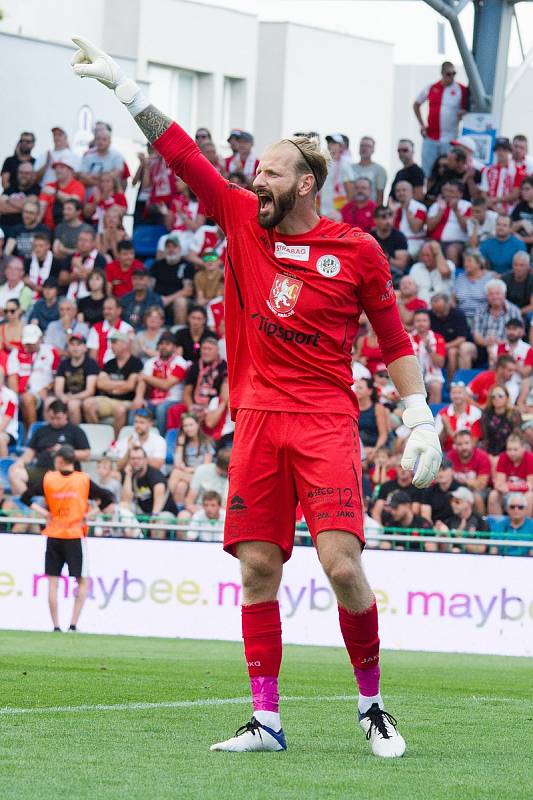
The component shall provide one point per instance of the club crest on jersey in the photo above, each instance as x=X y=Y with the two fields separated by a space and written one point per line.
x=283 y=295
x=328 y=266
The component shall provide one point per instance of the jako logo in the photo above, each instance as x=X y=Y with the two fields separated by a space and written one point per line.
x=292 y=251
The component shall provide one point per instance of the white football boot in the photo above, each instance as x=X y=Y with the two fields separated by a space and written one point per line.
x=253 y=737
x=381 y=732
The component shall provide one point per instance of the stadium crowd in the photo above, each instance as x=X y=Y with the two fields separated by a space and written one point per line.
x=117 y=320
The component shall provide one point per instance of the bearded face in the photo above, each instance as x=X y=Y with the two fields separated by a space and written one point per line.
x=274 y=206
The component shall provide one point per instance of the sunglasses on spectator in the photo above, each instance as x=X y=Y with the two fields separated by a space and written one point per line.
x=457 y=383
x=382 y=374
x=201 y=136
x=514 y=507
x=10 y=310
x=450 y=74
x=404 y=149
x=498 y=394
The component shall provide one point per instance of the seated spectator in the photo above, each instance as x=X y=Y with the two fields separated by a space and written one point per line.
x=517 y=526
x=460 y=415
x=54 y=194
x=368 y=351
x=463 y=520
x=189 y=339
x=207 y=239
x=173 y=281
x=162 y=380
x=373 y=172
x=382 y=469
x=58 y=333
x=499 y=184
x=67 y=232
x=145 y=491
x=20 y=241
x=521 y=162
x=106 y=194
x=31 y=371
x=210 y=152
x=105 y=479
x=43 y=163
x=436 y=503
x=471 y=467
x=92 y=305
x=211 y=515
x=501 y=375
x=451 y=324
x=10 y=331
x=204 y=378
x=144 y=435
x=522 y=214
x=359 y=212
x=402 y=482
x=410 y=172
x=101 y=158
x=146 y=340
x=500 y=417
x=430 y=349
x=9 y=417
x=13 y=200
x=436 y=178
x=209 y=281
x=392 y=241
x=398 y=513
x=373 y=417
x=46 y=309
x=14 y=287
x=207 y=477
x=27 y=473
x=482 y=224
x=116 y=383
x=499 y=251
x=519 y=283
x=489 y=324
x=433 y=273
x=469 y=287
x=447 y=220
x=119 y=273
x=97 y=342
x=76 y=376
x=193 y=448
x=461 y=169
x=136 y=303
x=410 y=218
x=79 y=266
x=515 y=346
x=407 y=301
x=112 y=233
x=42 y=265
x=514 y=473
x=182 y=216
x=11 y=164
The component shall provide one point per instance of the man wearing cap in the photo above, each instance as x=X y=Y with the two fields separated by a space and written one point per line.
x=366 y=168
x=402 y=482
x=140 y=299
x=116 y=382
x=468 y=145
x=338 y=187
x=410 y=172
x=54 y=194
x=119 y=273
x=464 y=520
x=44 y=170
x=399 y=514
x=76 y=376
x=244 y=160
x=162 y=380
x=97 y=341
x=498 y=183
x=435 y=503
x=30 y=372
x=144 y=435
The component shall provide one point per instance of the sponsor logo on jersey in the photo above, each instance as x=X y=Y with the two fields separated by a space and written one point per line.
x=284 y=295
x=293 y=251
x=328 y=266
x=287 y=335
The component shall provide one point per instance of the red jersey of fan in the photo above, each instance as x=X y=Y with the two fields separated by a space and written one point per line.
x=120 y=280
x=480 y=387
x=516 y=472
x=478 y=464
x=292 y=302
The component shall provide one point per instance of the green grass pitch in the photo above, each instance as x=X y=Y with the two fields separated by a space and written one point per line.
x=467 y=720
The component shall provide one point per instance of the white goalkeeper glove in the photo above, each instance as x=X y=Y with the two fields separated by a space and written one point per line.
x=422 y=454
x=91 y=62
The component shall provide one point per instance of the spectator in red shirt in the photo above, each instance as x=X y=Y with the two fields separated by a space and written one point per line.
x=471 y=467
x=66 y=187
x=359 y=212
x=460 y=415
x=106 y=194
x=120 y=272
x=501 y=375
x=430 y=349
x=408 y=302
x=514 y=473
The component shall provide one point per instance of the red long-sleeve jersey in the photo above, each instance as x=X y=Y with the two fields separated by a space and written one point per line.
x=292 y=302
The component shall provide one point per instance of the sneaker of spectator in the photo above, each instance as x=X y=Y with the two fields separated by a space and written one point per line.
x=119 y=273
x=366 y=168
x=76 y=377
x=9 y=413
x=459 y=415
x=30 y=372
x=43 y=166
x=189 y=339
x=54 y=194
x=436 y=503
x=392 y=241
x=67 y=232
x=514 y=473
x=14 y=287
x=204 y=378
x=500 y=418
x=207 y=477
x=499 y=183
x=488 y=329
x=136 y=303
x=20 y=241
x=398 y=513
x=59 y=332
x=209 y=281
x=13 y=199
x=145 y=491
x=146 y=340
x=97 y=342
x=410 y=172
x=46 y=309
x=116 y=383
x=244 y=160
x=481 y=225
x=410 y=217
x=42 y=264
x=463 y=520
x=10 y=330
x=27 y=472
x=470 y=287
x=499 y=250
x=92 y=305
x=173 y=281
x=338 y=187
x=162 y=380
x=430 y=349
x=408 y=302
x=210 y=516
x=144 y=435
x=433 y=272
x=101 y=158
x=471 y=466
x=516 y=526
x=519 y=284
x=522 y=214
x=79 y=266
x=22 y=154
x=451 y=324
x=359 y=211
x=193 y=449
x=447 y=220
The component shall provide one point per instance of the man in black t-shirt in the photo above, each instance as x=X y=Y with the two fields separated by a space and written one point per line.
x=451 y=324
x=38 y=458
x=410 y=171
x=145 y=491
x=76 y=376
x=399 y=514
x=173 y=281
x=189 y=339
x=15 y=198
x=519 y=282
x=403 y=483
x=22 y=153
x=392 y=242
x=436 y=505
x=116 y=384
x=20 y=242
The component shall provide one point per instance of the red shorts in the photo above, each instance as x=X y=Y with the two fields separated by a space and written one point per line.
x=280 y=458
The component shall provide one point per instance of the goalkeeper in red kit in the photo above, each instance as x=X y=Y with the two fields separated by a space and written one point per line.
x=294 y=288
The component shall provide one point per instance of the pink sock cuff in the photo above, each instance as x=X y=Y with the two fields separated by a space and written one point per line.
x=265 y=694
x=368 y=680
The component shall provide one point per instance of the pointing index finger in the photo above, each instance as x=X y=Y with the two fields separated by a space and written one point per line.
x=90 y=49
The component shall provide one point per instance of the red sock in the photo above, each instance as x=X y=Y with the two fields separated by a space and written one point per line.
x=360 y=634
x=261 y=631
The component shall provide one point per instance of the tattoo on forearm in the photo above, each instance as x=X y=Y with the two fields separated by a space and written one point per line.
x=153 y=123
